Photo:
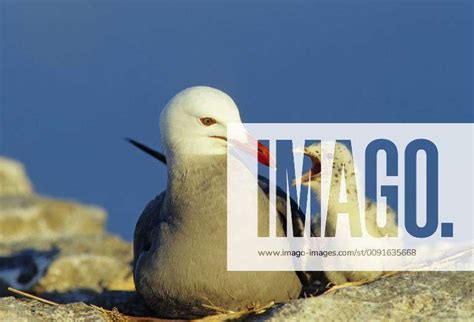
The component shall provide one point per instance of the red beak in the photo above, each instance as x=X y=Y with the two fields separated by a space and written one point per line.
x=263 y=153
x=264 y=156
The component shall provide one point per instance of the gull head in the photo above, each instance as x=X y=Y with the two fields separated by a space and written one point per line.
x=195 y=122
x=340 y=157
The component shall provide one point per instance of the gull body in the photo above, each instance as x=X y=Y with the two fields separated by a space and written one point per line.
x=180 y=250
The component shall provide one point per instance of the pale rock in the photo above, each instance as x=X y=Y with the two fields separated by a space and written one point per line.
x=13 y=179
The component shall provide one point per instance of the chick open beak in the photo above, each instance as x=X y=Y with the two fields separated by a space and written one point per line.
x=315 y=167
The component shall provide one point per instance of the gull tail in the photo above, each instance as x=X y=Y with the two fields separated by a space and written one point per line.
x=157 y=155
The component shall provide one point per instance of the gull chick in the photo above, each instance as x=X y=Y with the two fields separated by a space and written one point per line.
x=343 y=167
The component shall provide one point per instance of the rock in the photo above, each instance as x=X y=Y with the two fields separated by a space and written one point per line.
x=94 y=263
x=24 y=269
x=17 y=310
x=13 y=179
x=51 y=246
x=406 y=296
x=27 y=217
x=85 y=262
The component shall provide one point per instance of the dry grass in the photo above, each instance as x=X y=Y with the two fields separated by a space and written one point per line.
x=335 y=288
x=112 y=315
x=31 y=296
x=224 y=315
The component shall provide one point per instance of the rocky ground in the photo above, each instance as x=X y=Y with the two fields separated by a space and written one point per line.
x=59 y=251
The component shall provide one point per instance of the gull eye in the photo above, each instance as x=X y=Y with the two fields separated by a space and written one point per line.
x=207 y=121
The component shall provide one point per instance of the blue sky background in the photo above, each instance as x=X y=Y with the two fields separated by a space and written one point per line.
x=78 y=76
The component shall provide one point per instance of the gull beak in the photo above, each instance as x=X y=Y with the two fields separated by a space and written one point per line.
x=251 y=146
x=315 y=167
x=263 y=153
